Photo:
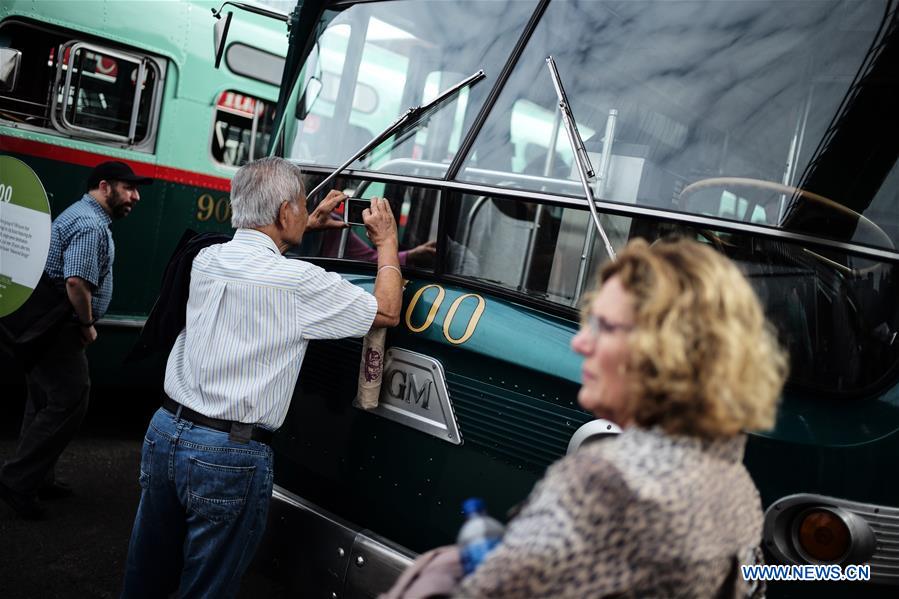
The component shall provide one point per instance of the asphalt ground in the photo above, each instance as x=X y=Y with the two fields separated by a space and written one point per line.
x=79 y=550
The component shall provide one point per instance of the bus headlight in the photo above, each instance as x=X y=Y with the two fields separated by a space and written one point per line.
x=812 y=529
x=821 y=534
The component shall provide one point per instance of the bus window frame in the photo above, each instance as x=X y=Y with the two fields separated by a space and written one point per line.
x=159 y=64
x=255 y=151
x=58 y=113
x=447 y=193
x=615 y=209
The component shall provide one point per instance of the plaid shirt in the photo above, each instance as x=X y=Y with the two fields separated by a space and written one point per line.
x=81 y=246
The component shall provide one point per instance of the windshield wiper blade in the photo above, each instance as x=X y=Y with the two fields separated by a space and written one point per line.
x=410 y=117
x=584 y=168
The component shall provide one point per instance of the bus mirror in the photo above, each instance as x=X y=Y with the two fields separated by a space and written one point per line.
x=308 y=97
x=10 y=59
x=220 y=34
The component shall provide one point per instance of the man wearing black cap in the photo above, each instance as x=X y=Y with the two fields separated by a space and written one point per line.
x=80 y=260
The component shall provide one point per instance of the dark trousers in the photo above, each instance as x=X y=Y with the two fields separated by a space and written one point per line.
x=58 y=389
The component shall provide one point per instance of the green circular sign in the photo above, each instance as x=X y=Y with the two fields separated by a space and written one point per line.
x=24 y=232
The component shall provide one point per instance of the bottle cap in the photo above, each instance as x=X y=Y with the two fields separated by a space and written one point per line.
x=472 y=505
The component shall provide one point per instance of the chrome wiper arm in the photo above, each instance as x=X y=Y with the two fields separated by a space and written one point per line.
x=584 y=168
x=411 y=116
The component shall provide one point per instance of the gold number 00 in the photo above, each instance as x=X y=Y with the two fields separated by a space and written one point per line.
x=435 y=306
x=472 y=322
x=431 y=313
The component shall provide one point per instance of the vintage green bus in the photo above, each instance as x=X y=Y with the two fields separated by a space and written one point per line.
x=75 y=103
x=768 y=129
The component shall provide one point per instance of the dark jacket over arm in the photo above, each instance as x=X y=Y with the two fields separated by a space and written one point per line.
x=168 y=315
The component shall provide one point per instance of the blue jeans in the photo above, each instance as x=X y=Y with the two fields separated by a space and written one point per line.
x=203 y=508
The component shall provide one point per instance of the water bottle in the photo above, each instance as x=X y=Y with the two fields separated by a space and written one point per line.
x=478 y=536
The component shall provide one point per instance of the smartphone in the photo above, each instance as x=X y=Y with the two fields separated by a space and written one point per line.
x=354 y=208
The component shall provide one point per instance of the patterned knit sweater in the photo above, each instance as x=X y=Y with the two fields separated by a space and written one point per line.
x=643 y=514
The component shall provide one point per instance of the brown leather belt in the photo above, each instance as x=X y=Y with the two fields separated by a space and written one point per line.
x=237 y=431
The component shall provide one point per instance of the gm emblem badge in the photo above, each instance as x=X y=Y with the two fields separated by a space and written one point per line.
x=413 y=393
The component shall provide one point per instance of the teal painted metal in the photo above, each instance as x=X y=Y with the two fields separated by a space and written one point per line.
x=181 y=33
x=498 y=333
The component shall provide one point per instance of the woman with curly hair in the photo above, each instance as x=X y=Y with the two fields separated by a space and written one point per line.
x=677 y=351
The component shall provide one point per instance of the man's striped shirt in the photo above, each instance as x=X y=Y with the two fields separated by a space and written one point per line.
x=81 y=246
x=250 y=315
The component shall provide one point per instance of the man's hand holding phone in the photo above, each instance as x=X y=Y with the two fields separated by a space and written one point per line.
x=381 y=228
x=321 y=218
x=380 y=224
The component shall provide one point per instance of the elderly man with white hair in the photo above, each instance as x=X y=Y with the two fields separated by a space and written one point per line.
x=206 y=466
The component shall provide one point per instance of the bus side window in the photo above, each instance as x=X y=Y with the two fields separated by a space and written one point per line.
x=416 y=210
x=82 y=89
x=100 y=95
x=241 y=128
x=551 y=252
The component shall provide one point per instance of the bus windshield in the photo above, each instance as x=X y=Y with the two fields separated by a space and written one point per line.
x=728 y=109
x=374 y=60
x=774 y=113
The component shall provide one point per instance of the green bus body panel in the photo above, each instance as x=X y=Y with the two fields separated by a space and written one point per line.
x=182 y=34
x=859 y=472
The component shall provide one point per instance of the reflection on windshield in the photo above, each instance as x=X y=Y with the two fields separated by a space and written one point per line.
x=373 y=61
x=754 y=100
x=411 y=121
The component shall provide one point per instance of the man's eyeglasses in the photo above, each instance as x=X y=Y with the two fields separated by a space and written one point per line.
x=597 y=326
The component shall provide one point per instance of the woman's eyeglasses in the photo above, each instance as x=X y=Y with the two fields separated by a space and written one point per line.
x=597 y=326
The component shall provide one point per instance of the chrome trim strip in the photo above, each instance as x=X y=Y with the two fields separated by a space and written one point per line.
x=282 y=494
x=617 y=210
x=382 y=559
x=123 y=323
